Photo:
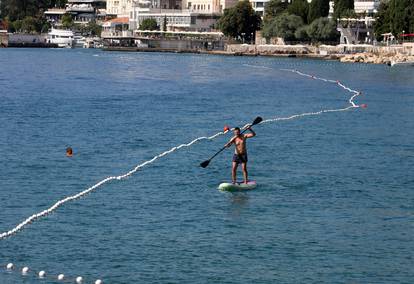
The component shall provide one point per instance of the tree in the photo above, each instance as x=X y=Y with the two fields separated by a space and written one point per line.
x=149 y=25
x=67 y=21
x=322 y=30
x=164 y=24
x=299 y=8
x=394 y=16
x=301 y=34
x=343 y=8
x=283 y=26
x=274 y=8
x=318 y=9
x=240 y=22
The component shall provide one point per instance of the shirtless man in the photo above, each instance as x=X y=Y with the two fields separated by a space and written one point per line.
x=240 y=152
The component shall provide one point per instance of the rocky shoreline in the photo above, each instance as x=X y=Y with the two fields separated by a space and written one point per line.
x=374 y=58
x=343 y=53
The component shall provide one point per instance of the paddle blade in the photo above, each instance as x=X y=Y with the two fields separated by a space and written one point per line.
x=205 y=164
x=257 y=120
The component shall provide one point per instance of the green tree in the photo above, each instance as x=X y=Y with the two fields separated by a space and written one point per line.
x=283 y=26
x=343 y=8
x=301 y=34
x=274 y=8
x=164 y=24
x=318 y=9
x=240 y=21
x=67 y=21
x=382 y=22
x=323 y=30
x=394 y=16
x=29 y=25
x=299 y=8
x=149 y=25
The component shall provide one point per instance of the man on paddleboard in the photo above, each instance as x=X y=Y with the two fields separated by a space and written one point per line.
x=240 y=152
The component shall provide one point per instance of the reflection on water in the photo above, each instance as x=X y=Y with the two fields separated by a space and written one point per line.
x=239 y=202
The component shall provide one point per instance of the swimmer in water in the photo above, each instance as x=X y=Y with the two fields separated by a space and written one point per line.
x=69 y=152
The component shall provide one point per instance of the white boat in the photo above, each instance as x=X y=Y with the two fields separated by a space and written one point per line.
x=63 y=38
x=79 y=41
x=403 y=63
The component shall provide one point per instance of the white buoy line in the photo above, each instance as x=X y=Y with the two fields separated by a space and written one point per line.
x=59 y=203
x=26 y=271
x=61 y=277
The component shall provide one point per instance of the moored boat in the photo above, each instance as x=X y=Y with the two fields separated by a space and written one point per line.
x=63 y=38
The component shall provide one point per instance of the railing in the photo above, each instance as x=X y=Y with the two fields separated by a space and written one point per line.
x=120 y=34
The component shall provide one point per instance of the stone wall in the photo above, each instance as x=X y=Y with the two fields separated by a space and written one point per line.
x=4 y=38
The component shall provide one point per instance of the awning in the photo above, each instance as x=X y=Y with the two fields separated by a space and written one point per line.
x=407 y=35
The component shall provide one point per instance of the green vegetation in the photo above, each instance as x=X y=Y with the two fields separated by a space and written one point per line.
x=322 y=30
x=300 y=21
x=240 y=22
x=394 y=16
x=27 y=15
x=318 y=9
x=149 y=25
x=299 y=8
x=284 y=26
x=67 y=21
x=164 y=24
x=91 y=29
x=275 y=8
x=343 y=8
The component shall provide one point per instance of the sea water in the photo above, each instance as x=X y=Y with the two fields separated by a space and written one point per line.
x=335 y=201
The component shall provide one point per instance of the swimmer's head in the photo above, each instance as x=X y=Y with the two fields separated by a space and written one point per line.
x=69 y=152
x=236 y=131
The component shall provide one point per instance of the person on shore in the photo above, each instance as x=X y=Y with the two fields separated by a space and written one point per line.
x=69 y=152
x=240 y=152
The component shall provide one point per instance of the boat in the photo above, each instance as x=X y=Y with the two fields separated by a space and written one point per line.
x=403 y=63
x=79 y=41
x=63 y=38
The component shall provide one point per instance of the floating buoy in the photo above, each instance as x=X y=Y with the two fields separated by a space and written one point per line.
x=10 y=266
x=61 y=277
x=42 y=274
x=25 y=270
x=226 y=128
x=364 y=105
x=99 y=281
x=79 y=280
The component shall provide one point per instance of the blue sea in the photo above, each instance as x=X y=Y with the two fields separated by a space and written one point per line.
x=335 y=195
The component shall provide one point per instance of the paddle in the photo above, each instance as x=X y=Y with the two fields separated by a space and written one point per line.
x=206 y=162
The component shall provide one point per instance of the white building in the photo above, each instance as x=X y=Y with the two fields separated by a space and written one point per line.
x=366 y=6
x=119 y=8
x=180 y=15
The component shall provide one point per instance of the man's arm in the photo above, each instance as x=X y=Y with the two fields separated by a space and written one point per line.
x=251 y=134
x=231 y=141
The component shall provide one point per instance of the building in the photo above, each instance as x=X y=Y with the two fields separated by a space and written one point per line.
x=85 y=11
x=369 y=7
x=185 y=15
x=82 y=11
x=119 y=8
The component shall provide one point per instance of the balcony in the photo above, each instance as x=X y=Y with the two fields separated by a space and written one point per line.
x=81 y=8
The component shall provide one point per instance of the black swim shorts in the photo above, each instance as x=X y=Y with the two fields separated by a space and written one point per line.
x=240 y=158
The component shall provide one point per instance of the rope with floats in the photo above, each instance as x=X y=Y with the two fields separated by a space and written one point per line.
x=61 y=202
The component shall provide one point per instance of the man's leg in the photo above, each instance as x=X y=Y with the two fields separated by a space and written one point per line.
x=244 y=168
x=234 y=172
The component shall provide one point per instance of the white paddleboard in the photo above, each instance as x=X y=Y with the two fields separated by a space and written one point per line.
x=239 y=186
